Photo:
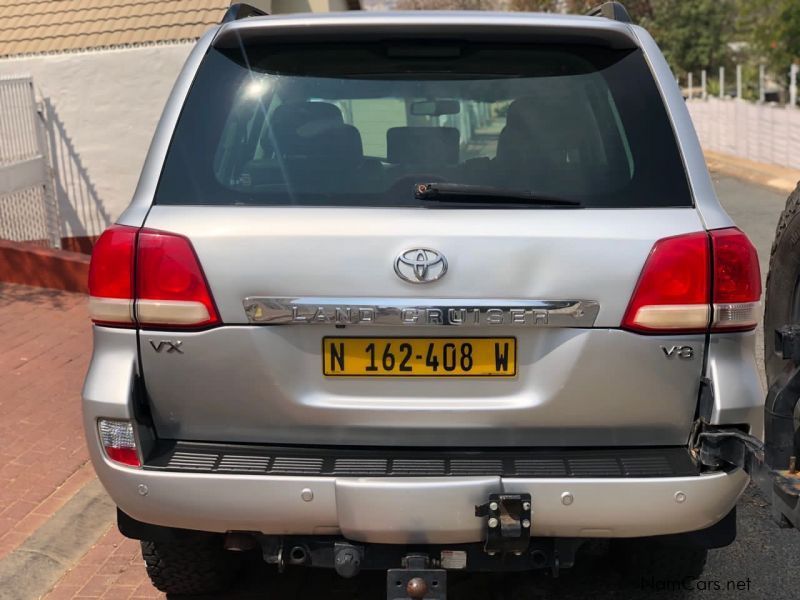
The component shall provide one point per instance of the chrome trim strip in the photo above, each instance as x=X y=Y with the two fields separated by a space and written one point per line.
x=410 y=312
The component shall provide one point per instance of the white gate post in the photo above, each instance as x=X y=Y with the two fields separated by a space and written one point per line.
x=738 y=82
x=690 y=83
x=722 y=83
x=793 y=86
x=703 y=93
x=762 y=93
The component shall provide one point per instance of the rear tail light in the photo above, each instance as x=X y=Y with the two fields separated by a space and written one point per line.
x=737 y=281
x=119 y=442
x=111 y=276
x=170 y=286
x=148 y=277
x=694 y=282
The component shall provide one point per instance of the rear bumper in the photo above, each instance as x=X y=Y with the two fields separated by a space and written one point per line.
x=413 y=509
x=431 y=510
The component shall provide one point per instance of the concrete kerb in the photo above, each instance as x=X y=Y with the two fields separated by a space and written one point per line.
x=32 y=569
x=780 y=179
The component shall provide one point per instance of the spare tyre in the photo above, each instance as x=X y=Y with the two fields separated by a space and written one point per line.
x=782 y=298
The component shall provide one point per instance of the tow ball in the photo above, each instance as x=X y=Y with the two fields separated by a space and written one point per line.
x=416 y=581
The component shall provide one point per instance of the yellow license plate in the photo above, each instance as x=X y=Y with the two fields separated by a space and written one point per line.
x=419 y=357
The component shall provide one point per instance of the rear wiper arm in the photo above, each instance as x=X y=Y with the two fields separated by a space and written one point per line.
x=461 y=192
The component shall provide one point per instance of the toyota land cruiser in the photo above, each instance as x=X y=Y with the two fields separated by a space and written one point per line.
x=422 y=292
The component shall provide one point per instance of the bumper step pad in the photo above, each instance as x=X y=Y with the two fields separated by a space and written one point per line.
x=430 y=462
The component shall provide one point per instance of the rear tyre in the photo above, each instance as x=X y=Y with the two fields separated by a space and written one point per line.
x=196 y=565
x=782 y=298
x=643 y=561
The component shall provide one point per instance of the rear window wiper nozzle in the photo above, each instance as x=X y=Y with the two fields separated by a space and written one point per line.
x=461 y=192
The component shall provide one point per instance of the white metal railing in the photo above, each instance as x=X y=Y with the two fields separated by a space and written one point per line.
x=28 y=210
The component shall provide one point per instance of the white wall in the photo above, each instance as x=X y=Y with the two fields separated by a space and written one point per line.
x=761 y=132
x=102 y=108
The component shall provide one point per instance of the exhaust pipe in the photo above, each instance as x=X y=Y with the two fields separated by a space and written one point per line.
x=298 y=555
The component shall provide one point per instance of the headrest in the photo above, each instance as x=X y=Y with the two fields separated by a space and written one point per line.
x=304 y=117
x=313 y=129
x=537 y=124
x=529 y=110
x=422 y=145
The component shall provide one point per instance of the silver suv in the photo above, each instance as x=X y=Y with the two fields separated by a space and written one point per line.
x=423 y=292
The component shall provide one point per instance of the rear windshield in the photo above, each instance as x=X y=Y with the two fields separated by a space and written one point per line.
x=378 y=124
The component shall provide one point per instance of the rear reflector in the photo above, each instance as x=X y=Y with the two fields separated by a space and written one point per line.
x=694 y=282
x=118 y=441
x=169 y=288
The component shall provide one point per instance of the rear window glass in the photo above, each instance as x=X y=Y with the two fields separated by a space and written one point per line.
x=367 y=124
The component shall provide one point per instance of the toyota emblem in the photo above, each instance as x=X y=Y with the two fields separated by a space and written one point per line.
x=420 y=265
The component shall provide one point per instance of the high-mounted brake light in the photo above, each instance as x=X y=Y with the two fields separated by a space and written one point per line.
x=119 y=442
x=168 y=288
x=695 y=282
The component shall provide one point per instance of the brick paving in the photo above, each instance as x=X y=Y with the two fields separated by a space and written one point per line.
x=112 y=569
x=45 y=344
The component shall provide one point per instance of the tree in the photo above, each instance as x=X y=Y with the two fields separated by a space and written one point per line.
x=693 y=34
x=775 y=26
x=635 y=7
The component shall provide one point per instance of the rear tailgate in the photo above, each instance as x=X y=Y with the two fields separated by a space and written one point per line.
x=574 y=386
x=293 y=169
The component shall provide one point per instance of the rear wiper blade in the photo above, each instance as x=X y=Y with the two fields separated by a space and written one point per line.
x=461 y=192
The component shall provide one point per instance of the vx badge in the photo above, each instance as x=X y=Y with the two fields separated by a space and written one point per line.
x=170 y=347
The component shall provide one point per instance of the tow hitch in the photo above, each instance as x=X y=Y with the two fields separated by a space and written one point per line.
x=773 y=465
x=508 y=527
x=416 y=581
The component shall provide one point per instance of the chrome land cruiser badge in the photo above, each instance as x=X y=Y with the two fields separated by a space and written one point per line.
x=428 y=312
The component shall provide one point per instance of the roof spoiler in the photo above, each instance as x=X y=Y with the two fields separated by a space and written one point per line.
x=611 y=10
x=242 y=11
x=444 y=25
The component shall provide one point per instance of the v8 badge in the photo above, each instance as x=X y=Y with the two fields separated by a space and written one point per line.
x=684 y=352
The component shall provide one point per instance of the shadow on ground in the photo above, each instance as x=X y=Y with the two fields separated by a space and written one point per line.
x=53 y=299
x=593 y=577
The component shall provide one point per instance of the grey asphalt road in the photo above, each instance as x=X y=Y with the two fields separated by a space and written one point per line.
x=764 y=562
